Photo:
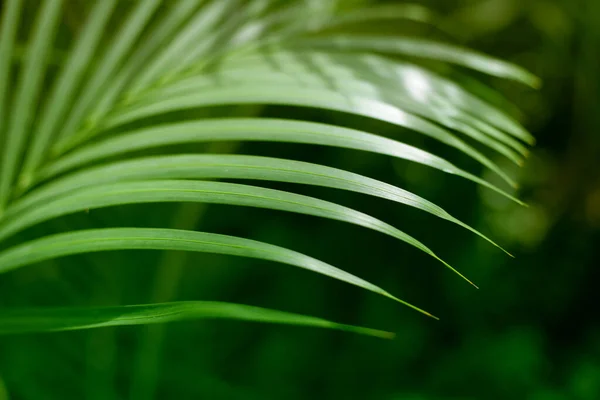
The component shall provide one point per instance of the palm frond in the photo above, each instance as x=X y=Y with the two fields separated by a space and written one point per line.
x=116 y=94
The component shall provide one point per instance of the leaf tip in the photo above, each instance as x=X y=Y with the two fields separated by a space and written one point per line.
x=505 y=251
x=472 y=284
x=432 y=316
x=456 y=272
x=536 y=82
x=409 y=305
x=386 y=335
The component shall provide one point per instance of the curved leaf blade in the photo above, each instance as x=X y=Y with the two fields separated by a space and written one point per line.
x=169 y=25
x=65 y=86
x=227 y=166
x=28 y=88
x=297 y=71
x=11 y=14
x=205 y=192
x=408 y=86
x=244 y=129
x=424 y=48
x=190 y=34
x=110 y=61
x=305 y=97
x=95 y=240
x=19 y=321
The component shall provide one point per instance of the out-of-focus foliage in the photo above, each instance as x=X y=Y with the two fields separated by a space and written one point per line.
x=530 y=332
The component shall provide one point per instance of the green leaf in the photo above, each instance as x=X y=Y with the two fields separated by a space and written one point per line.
x=405 y=87
x=253 y=27
x=147 y=50
x=11 y=14
x=307 y=97
x=217 y=24
x=227 y=166
x=206 y=192
x=28 y=88
x=423 y=48
x=88 y=241
x=165 y=57
x=398 y=80
x=18 y=321
x=188 y=37
x=66 y=83
x=245 y=129
x=108 y=64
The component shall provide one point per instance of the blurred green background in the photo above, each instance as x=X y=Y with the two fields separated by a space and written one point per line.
x=531 y=332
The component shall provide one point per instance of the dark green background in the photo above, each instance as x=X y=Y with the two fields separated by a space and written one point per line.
x=531 y=332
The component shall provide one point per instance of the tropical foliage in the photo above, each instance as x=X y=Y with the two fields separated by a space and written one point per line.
x=118 y=116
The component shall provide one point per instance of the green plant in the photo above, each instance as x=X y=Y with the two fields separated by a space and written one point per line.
x=115 y=96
